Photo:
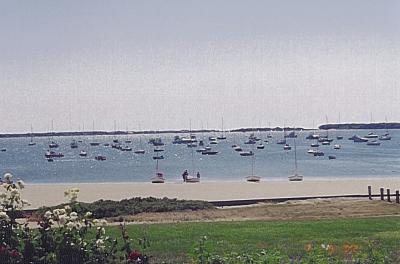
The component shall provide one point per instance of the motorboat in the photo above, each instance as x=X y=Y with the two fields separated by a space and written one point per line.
x=126 y=148
x=83 y=153
x=100 y=158
x=261 y=146
x=325 y=139
x=209 y=152
x=158 y=150
x=339 y=137
x=386 y=136
x=200 y=150
x=253 y=178
x=237 y=148
x=74 y=144
x=331 y=157
x=287 y=147
x=371 y=135
x=158 y=157
x=373 y=143
x=156 y=142
x=314 y=145
x=318 y=153
x=94 y=144
x=192 y=179
x=311 y=151
x=337 y=146
x=281 y=142
x=325 y=143
x=358 y=139
x=158 y=178
x=53 y=144
x=213 y=142
x=312 y=136
x=52 y=154
x=140 y=151
x=246 y=153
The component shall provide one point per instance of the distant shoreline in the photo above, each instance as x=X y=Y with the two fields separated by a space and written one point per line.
x=347 y=126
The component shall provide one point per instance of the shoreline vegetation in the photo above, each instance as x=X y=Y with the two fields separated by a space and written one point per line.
x=347 y=126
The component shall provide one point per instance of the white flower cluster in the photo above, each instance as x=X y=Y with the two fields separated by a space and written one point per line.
x=72 y=194
x=64 y=217
x=10 y=197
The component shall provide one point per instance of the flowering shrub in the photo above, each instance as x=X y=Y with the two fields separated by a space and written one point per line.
x=63 y=235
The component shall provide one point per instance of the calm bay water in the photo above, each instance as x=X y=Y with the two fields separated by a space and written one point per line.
x=354 y=160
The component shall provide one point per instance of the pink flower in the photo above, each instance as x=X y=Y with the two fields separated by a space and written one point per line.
x=14 y=253
x=134 y=255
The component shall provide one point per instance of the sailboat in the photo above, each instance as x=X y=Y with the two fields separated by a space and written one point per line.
x=252 y=177
x=338 y=137
x=385 y=136
x=296 y=176
x=31 y=143
x=94 y=143
x=222 y=136
x=140 y=150
x=191 y=178
x=159 y=177
x=53 y=144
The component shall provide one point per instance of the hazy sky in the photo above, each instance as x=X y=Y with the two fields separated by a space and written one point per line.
x=161 y=63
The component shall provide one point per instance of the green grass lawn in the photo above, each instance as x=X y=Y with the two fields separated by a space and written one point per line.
x=175 y=241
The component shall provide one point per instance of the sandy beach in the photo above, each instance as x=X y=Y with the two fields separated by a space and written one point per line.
x=53 y=194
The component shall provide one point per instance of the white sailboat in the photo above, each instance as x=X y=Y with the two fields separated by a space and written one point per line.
x=32 y=143
x=159 y=176
x=296 y=176
x=252 y=177
x=94 y=143
x=187 y=177
x=222 y=136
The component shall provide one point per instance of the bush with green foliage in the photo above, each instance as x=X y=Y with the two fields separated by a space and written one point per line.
x=109 y=208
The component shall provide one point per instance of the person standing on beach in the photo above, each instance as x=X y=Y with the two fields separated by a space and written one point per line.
x=184 y=175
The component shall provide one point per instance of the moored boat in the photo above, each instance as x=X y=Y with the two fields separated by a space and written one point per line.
x=158 y=178
x=253 y=178
x=100 y=158
x=246 y=153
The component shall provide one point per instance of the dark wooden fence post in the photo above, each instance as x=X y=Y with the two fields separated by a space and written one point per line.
x=397 y=197
x=369 y=192
x=382 y=195
x=388 y=194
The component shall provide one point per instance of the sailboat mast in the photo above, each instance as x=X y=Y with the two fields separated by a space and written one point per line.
x=252 y=160
x=327 y=130
x=295 y=156
x=31 y=133
x=191 y=147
